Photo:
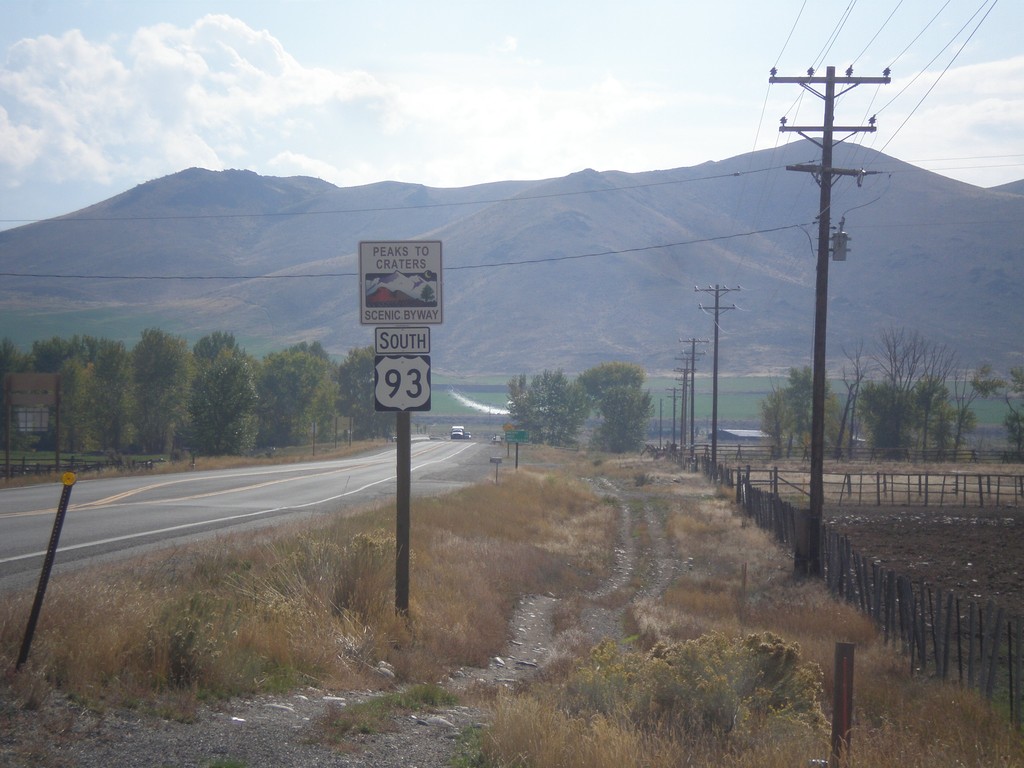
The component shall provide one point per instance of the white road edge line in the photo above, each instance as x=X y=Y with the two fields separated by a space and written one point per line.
x=185 y=526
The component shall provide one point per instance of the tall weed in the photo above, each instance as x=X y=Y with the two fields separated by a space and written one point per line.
x=313 y=603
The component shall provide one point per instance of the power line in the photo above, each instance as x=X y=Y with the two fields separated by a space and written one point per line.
x=448 y=268
x=875 y=36
x=835 y=34
x=945 y=69
x=941 y=51
x=792 y=29
x=918 y=35
x=976 y=157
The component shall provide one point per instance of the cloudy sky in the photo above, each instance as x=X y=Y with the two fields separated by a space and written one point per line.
x=97 y=96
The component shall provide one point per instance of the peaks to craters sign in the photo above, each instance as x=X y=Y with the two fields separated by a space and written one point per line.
x=400 y=282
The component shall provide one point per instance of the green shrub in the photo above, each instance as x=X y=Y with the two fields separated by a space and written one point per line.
x=184 y=643
x=726 y=688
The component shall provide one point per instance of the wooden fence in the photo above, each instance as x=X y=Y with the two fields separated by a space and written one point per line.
x=943 y=634
x=911 y=489
x=761 y=452
x=23 y=467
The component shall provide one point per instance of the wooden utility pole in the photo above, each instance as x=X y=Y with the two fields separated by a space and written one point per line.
x=693 y=342
x=718 y=290
x=675 y=391
x=824 y=174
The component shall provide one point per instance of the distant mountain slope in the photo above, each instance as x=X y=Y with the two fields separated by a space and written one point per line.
x=1014 y=188
x=557 y=273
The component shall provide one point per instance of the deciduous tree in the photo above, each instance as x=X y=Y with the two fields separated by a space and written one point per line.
x=616 y=392
x=551 y=407
x=1014 y=420
x=968 y=386
x=161 y=370
x=355 y=396
x=222 y=402
x=786 y=412
x=288 y=384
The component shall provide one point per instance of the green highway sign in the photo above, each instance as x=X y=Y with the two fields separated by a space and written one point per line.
x=517 y=436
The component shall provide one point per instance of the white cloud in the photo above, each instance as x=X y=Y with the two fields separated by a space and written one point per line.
x=219 y=93
x=477 y=133
x=509 y=45
x=65 y=98
x=215 y=92
x=972 y=118
x=295 y=164
x=21 y=143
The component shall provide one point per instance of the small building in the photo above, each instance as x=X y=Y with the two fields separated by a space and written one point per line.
x=744 y=436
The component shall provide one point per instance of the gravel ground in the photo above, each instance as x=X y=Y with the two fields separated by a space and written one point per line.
x=266 y=731
x=282 y=731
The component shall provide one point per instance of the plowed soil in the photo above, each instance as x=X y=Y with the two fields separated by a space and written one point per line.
x=976 y=553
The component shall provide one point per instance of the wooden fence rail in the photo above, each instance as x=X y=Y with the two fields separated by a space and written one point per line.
x=740 y=452
x=24 y=468
x=912 y=489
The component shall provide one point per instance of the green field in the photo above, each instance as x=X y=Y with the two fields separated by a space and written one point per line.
x=739 y=399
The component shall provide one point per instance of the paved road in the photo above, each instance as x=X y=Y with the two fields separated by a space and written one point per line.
x=118 y=517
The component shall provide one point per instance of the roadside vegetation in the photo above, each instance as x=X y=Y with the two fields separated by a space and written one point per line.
x=729 y=665
x=905 y=396
x=310 y=604
x=161 y=397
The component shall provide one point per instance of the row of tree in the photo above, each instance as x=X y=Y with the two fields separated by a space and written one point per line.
x=214 y=398
x=554 y=408
x=907 y=394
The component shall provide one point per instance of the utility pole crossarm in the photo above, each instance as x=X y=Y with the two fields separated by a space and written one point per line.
x=808 y=168
x=853 y=81
x=817 y=129
x=818 y=170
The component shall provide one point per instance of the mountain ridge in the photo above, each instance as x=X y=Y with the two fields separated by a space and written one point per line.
x=559 y=273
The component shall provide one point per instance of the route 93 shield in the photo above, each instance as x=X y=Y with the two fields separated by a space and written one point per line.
x=401 y=382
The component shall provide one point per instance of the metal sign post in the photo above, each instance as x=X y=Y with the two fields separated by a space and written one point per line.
x=516 y=436
x=401 y=290
x=403 y=469
x=44 y=577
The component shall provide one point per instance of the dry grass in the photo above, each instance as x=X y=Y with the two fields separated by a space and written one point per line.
x=736 y=582
x=313 y=604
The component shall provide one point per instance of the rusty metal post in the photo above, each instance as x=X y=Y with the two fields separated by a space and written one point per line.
x=44 y=577
x=842 y=703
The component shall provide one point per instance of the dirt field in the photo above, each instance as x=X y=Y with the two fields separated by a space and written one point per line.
x=978 y=554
